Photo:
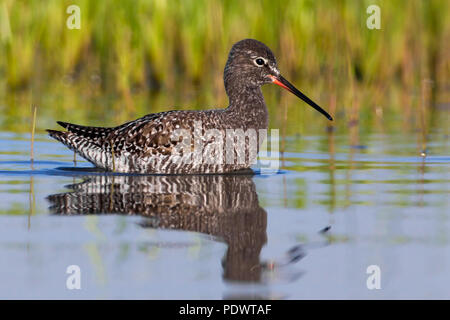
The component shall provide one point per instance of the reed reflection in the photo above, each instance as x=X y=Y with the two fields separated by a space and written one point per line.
x=224 y=206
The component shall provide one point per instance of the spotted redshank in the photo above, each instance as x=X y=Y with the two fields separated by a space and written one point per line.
x=150 y=145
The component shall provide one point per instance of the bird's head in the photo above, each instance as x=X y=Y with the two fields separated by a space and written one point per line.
x=251 y=64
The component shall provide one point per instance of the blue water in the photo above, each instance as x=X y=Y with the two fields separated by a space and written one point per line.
x=309 y=230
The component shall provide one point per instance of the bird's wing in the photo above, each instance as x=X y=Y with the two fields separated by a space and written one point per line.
x=149 y=135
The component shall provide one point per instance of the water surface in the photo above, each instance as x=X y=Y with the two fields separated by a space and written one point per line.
x=309 y=230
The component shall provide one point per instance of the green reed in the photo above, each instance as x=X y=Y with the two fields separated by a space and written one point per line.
x=134 y=57
x=33 y=129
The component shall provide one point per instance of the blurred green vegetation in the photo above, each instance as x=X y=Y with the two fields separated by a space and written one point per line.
x=135 y=57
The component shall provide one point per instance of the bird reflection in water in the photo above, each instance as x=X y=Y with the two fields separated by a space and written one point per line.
x=224 y=206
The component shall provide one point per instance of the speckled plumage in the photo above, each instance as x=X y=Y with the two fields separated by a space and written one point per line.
x=147 y=145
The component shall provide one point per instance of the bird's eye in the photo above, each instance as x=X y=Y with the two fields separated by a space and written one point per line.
x=260 y=62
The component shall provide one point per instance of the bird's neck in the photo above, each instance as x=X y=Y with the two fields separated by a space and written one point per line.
x=247 y=104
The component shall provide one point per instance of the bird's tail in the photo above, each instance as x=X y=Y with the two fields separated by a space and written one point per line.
x=93 y=133
x=85 y=147
x=62 y=137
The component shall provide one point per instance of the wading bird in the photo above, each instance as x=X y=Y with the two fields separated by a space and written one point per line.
x=150 y=145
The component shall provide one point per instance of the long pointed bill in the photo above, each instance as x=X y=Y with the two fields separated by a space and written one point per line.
x=282 y=82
